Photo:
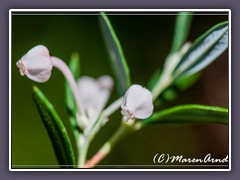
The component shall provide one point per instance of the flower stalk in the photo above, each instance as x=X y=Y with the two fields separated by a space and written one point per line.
x=83 y=145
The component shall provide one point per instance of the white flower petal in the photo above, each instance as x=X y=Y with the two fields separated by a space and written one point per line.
x=106 y=85
x=123 y=105
x=137 y=96
x=145 y=111
x=127 y=114
x=89 y=91
x=36 y=64
x=95 y=93
x=106 y=82
x=137 y=103
x=131 y=98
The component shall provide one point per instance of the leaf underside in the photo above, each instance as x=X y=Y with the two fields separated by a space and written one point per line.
x=203 y=51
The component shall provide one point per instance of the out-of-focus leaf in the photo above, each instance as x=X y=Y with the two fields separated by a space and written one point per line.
x=116 y=56
x=185 y=82
x=182 y=27
x=74 y=66
x=191 y=113
x=203 y=51
x=170 y=93
x=55 y=129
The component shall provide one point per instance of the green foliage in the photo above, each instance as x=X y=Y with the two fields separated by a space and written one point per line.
x=116 y=55
x=189 y=114
x=171 y=93
x=182 y=27
x=185 y=82
x=203 y=51
x=207 y=48
x=55 y=129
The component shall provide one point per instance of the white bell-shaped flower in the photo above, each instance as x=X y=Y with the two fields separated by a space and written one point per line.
x=137 y=103
x=36 y=64
x=94 y=93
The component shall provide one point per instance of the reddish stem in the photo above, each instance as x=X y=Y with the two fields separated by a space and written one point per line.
x=95 y=159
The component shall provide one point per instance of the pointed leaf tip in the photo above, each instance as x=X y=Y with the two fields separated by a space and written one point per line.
x=116 y=55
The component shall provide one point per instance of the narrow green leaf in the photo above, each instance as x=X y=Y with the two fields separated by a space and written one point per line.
x=190 y=114
x=203 y=51
x=116 y=56
x=55 y=129
x=182 y=27
x=74 y=66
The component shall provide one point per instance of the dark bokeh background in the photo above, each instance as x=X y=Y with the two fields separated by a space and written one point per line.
x=145 y=41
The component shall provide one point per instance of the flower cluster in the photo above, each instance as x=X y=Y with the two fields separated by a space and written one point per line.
x=91 y=94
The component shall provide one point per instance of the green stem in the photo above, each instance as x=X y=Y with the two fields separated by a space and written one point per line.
x=121 y=132
x=83 y=150
x=160 y=87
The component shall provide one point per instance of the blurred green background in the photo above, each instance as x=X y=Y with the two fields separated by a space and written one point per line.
x=146 y=40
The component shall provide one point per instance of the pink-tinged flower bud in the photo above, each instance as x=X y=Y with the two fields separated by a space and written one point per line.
x=137 y=103
x=36 y=64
